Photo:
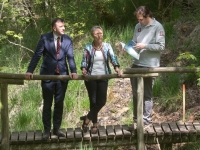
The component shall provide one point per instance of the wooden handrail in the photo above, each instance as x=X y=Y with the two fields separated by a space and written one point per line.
x=161 y=70
x=67 y=77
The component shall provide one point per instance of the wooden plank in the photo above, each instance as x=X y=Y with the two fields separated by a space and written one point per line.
x=54 y=138
x=192 y=131
x=151 y=134
x=78 y=134
x=86 y=135
x=22 y=137
x=110 y=132
x=14 y=138
x=197 y=127
x=133 y=129
x=70 y=138
x=110 y=135
x=176 y=132
x=63 y=139
x=94 y=137
x=30 y=136
x=70 y=134
x=38 y=136
x=102 y=133
x=118 y=132
x=167 y=136
x=184 y=132
x=126 y=133
x=159 y=132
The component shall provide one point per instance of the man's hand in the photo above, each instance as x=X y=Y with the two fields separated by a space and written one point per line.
x=73 y=76
x=28 y=76
x=139 y=46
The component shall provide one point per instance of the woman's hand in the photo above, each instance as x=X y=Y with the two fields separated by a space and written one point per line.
x=84 y=71
x=117 y=70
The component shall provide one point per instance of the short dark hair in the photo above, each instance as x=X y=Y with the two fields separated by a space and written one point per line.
x=144 y=11
x=56 y=20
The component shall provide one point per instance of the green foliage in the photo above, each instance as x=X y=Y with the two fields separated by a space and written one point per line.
x=169 y=32
x=26 y=108
x=167 y=88
x=191 y=146
x=172 y=83
x=157 y=88
x=128 y=119
x=85 y=147
x=186 y=56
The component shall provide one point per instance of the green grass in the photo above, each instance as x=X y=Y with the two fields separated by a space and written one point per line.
x=25 y=108
x=167 y=89
x=129 y=116
x=191 y=146
x=157 y=88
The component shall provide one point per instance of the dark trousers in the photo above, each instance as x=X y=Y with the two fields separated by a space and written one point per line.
x=50 y=90
x=148 y=97
x=97 y=91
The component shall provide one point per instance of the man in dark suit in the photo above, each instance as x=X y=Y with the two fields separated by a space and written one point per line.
x=55 y=47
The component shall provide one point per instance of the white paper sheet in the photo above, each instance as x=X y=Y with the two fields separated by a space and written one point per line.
x=130 y=49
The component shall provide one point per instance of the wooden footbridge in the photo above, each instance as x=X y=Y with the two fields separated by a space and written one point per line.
x=164 y=134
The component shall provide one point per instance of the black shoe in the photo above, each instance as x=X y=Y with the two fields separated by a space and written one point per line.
x=46 y=135
x=83 y=118
x=59 y=133
x=84 y=125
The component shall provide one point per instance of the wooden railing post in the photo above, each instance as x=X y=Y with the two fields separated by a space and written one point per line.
x=4 y=110
x=4 y=117
x=140 y=129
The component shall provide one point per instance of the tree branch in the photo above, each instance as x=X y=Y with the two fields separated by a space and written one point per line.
x=133 y=4
x=1 y=9
x=20 y=46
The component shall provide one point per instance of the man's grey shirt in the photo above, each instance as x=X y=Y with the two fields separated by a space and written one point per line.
x=153 y=35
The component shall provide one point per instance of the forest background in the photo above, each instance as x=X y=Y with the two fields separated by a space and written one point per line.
x=23 y=21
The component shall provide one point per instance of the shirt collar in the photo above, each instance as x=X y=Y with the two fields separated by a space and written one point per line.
x=153 y=22
x=55 y=36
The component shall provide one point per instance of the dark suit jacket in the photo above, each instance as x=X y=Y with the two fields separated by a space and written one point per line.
x=46 y=47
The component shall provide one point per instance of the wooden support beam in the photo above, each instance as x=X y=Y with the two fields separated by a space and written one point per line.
x=4 y=117
x=140 y=129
